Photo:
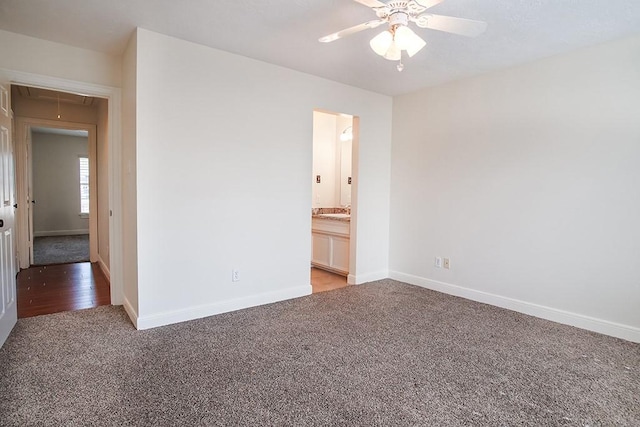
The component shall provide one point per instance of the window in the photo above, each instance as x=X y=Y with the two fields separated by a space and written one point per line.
x=84 y=185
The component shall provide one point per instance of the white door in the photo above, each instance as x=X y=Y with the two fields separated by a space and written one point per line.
x=8 y=309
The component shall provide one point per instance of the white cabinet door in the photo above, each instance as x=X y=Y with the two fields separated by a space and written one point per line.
x=330 y=244
x=330 y=251
x=321 y=249
x=8 y=309
x=340 y=253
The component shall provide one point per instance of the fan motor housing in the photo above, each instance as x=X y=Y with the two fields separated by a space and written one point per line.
x=398 y=18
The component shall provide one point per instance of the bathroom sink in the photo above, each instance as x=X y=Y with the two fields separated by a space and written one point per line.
x=335 y=215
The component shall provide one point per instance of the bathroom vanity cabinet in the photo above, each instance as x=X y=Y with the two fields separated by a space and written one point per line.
x=330 y=244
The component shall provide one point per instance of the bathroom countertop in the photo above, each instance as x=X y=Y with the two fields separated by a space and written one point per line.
x=332 y=217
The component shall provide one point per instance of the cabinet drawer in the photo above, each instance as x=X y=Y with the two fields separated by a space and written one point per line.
x=329 y=226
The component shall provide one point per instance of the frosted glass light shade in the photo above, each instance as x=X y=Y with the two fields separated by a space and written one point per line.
x=381 y=43
x=403 y=37
x=407 y=40
x=394 y=53
x=416 y=46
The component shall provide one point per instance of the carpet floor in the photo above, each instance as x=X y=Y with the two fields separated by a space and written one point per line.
x=384 y=353
x=60 y=249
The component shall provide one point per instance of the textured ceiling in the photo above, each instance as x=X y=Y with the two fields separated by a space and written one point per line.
x=286 y=32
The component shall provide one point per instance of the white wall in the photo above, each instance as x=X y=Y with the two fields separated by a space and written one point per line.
x=37 y=56
x=324 y=160
x=128 y=178
x=56 y=184
x=103 y=181
x=528 y=179
x=224 y=155
x=344 y=152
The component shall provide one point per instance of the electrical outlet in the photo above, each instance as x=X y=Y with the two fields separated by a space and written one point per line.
x=447 y=263
x=438 y=262
x=235 y=275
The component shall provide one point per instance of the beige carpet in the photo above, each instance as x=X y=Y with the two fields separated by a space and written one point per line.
x=384 y=353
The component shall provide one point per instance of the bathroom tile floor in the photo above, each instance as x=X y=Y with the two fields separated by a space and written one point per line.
x=322 y=280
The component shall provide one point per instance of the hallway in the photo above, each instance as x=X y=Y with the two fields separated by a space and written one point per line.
x=63 y=287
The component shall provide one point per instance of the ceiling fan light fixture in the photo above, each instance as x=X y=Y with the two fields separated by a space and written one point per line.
x=403 y=37
x=407 y=40
x=394 y=53
x=398 y=14
x=382 y=42
x=416 y=46
x=390 y=43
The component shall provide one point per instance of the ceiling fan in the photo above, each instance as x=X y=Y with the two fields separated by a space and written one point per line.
x=397 y=14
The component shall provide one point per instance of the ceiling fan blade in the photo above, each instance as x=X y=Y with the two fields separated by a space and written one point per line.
x=373 y=3
x=428 y=3
x=449 y=24
x=349 y=31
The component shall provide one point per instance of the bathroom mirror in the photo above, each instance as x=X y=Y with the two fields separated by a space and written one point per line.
x=332 y=155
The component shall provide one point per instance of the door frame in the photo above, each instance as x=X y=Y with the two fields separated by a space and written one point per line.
x=113 y=95
x=24 y=175
x=355 y=173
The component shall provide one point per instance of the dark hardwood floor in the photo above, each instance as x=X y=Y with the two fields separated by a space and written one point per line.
x=62 y=287
x=322 y=280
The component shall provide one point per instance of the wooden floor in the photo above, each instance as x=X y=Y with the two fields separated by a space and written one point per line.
x=63 y=287
x=322 y=280
x=66 y=287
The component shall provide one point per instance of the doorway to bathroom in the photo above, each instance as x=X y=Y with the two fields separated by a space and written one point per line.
x=333 y=206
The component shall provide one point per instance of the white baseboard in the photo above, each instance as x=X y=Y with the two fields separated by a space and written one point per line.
x=368 y=277
x=606 y=327
x=197 y=312
x=131 y=312
x=104 y=268
x=59 y=233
